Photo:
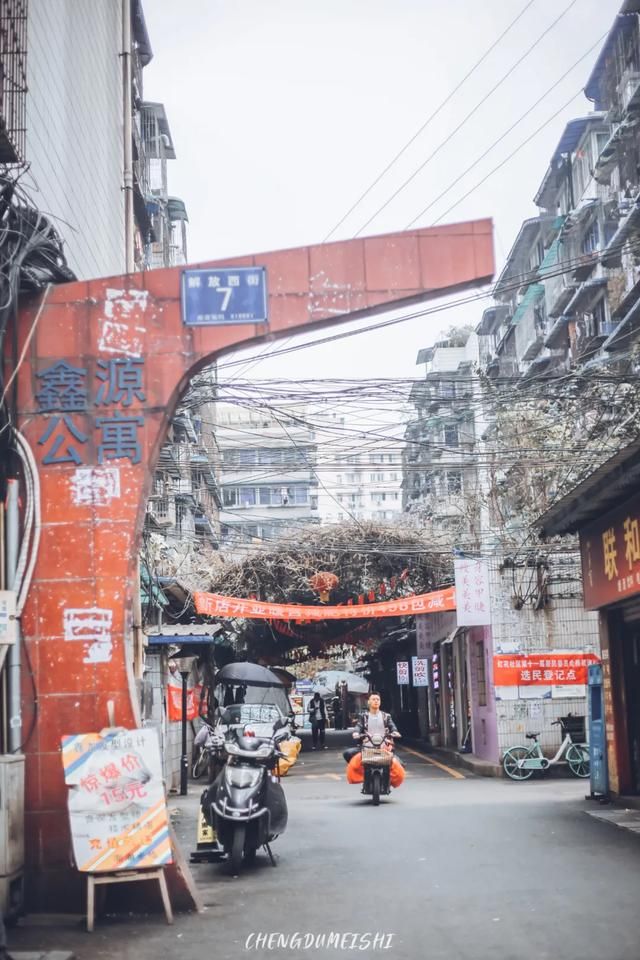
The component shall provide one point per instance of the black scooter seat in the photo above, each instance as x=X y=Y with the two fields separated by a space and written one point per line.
x=250 y=743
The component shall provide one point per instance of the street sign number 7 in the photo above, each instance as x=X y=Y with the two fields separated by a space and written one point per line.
x=227 y=291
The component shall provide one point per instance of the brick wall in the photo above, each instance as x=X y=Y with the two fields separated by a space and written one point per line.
x=562 y=624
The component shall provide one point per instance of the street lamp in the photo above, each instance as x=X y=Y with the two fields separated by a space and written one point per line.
x=184 y=665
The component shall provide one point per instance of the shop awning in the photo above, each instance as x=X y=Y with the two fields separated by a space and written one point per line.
x=533 y=294
x=172 y=639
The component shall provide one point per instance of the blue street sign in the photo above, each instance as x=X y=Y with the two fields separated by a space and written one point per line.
x=221 y=296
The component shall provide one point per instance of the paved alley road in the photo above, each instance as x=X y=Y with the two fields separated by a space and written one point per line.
x=450 y=867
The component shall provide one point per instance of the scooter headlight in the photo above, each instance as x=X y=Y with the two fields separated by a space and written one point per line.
x=242 y=777
x=231 y=747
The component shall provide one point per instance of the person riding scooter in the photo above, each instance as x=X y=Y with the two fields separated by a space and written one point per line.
x=373 y=723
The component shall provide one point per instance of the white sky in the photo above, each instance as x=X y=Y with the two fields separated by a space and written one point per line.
x=284 y=111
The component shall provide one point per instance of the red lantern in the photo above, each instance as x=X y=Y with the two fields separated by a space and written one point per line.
x=323 y=583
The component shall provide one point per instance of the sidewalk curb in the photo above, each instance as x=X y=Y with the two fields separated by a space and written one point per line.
x=466 y=761
x=38 y=955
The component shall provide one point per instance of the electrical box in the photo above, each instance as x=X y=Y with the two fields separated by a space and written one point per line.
x=597 y=734
x=11 y=814
x=8 y=622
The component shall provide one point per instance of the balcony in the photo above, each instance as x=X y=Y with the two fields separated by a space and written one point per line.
x=629 y=89
x=557 y=336
x=161 y=513
x=13 y=81
x=628 y=225
x=528 y=321
x=168 y=459
x=558 y=292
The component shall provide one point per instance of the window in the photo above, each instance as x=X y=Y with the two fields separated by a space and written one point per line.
x=247 y=496
x=239 y=496
x=481 y=674
x=591 y=239
x=376 y=477
x=600 y=315
x=376 y=458
x=454 y=481
x=393 y=476
x=447 y=389
x=270 y=456
x=265 y=495
x=247 y=456
x=451 y=435
x=298 y=495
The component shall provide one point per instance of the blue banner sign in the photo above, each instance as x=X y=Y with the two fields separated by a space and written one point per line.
x=222 y=296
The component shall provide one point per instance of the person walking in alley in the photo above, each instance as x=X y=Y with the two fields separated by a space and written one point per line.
x=318 y=718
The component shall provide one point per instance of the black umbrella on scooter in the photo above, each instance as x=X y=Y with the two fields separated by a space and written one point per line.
x=250 y=673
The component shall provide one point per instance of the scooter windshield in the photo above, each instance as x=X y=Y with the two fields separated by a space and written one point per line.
x=242 y=777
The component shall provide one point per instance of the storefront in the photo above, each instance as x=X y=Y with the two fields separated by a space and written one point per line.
x=605 y=511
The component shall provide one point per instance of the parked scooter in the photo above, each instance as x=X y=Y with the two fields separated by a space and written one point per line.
x=246 y=804
x=209 y=752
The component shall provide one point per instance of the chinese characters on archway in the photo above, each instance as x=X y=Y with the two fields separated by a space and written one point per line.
x=80 y=404
x=611 y=556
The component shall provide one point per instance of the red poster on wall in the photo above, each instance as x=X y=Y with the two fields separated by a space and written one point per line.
x=545 y=669
x=174 y=700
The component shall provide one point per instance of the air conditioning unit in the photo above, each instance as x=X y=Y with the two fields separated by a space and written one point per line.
x=11 y=835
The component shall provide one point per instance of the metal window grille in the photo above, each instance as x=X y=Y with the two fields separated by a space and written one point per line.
x=13 y=80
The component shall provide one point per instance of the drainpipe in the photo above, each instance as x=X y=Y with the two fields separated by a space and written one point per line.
x=14 y=657
x=127 y=108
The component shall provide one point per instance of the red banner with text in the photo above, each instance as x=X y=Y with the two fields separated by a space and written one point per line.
x=216 y=605
x=542 y=668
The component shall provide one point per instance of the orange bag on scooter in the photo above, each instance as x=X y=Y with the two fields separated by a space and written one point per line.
x=355 y=771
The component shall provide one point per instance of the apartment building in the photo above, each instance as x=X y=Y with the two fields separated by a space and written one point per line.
x=268 y=477
x=93 y=157
x=439 y=470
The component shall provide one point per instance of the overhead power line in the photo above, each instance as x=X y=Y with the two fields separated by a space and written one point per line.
x=429 y=119
x=495 y=143
x=565 y=266
x=466 y=118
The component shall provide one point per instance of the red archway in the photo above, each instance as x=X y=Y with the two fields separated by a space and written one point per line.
x=105 y=363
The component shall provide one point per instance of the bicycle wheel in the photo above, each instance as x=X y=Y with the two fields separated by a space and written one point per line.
x=511 y=763
x=578 y=759
x=199 y=765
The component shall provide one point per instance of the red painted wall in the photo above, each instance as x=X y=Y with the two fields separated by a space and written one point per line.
x=77 y=621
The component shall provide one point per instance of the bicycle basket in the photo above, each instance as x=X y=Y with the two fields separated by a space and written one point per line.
x=374 y=755
x=575 y=727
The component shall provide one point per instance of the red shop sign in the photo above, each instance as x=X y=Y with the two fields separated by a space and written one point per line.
x=610 y=550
